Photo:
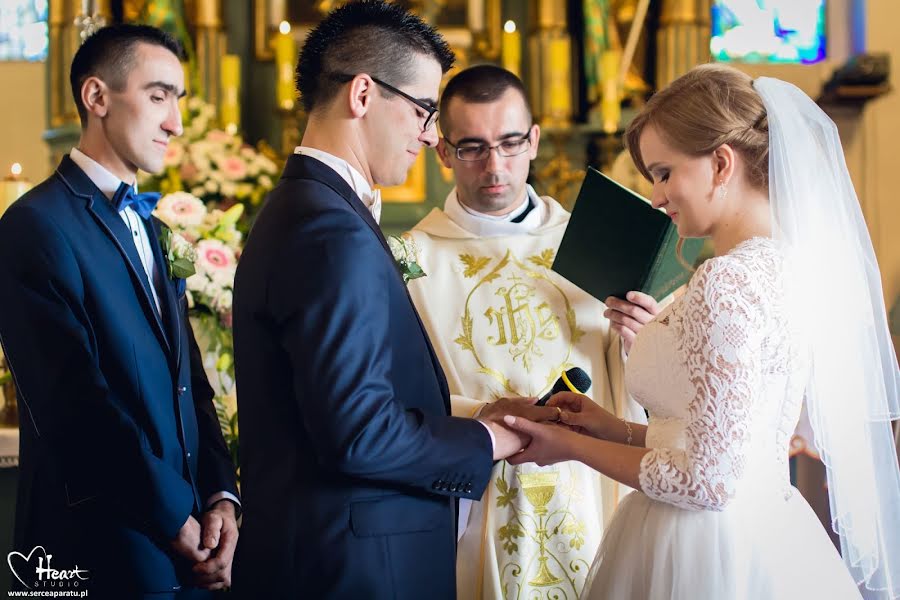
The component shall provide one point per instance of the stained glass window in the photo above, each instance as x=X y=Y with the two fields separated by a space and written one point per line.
x=768 y=31
x=23 y=30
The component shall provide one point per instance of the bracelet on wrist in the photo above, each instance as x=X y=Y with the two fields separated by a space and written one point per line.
x=628 y=431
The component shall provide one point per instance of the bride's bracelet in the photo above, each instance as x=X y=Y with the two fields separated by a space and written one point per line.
x=628 y=431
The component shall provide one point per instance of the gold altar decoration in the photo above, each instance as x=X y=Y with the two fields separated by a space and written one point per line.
x=230 y=105
x=511 y=48
x=69 y=21
x=12 y=187
x=205 y=16
x=285 y=59
x=682 y=39
x=557 y=177
x=473 y=25
x=9 y=409
x=549 y=47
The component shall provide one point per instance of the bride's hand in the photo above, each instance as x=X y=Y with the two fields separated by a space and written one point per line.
x=549 y=443
x=582 y=414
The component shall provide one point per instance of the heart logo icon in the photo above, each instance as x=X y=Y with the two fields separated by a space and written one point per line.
x=24 y=562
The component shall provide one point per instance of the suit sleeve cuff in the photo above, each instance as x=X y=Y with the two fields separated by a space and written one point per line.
x=223 y=496
x=490 y=433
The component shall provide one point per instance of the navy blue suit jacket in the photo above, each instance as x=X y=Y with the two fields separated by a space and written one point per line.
x=119 y=437
x=350 y=464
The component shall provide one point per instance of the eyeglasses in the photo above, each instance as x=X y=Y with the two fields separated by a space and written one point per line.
x=506 y=148
x=432 y=111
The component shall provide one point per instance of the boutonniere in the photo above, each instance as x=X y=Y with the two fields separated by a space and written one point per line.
x=179 y=253
x=404 y=250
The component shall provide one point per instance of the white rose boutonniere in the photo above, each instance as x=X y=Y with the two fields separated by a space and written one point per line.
x=180 y=254
x=405 y=253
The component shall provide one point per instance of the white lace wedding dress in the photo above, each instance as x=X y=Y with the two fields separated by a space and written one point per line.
x=721 y=373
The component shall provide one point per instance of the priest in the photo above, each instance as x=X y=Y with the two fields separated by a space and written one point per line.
x=504 y=324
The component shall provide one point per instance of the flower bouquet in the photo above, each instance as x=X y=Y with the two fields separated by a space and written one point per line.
x=215 y=166
x=217 y=245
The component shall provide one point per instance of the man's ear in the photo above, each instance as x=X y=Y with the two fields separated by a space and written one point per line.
x=360 y=95
x=535 y=140
x=443 y=153
x=95 y=96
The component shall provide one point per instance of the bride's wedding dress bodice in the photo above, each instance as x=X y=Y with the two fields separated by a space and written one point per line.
x=721 y=372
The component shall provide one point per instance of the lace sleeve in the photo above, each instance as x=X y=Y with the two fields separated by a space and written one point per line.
x=722 y=324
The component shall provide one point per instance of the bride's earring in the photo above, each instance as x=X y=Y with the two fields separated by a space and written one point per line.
x=723 y=191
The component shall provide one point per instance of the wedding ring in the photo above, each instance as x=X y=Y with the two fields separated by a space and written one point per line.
x=558 y=413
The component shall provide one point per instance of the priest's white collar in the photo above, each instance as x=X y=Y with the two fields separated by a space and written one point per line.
x=483 y=225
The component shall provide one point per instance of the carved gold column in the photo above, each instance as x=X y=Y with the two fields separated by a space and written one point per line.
x=206 y=18
x=69 y=22
x=550 y=49
x=683 y=38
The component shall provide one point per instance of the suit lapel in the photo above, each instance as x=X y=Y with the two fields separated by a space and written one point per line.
x=167 y=294
x=300 y=166
x=109 y=221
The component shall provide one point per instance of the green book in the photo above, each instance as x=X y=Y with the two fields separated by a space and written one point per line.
x=616 y=242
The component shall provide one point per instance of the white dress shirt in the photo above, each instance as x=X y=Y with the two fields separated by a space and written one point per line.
x=108 y=183
x=359 y=184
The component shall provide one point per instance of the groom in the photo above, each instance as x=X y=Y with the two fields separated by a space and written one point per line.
x=350 y=464
x=124 y=474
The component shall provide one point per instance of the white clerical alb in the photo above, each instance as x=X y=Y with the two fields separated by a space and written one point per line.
x=504 y=324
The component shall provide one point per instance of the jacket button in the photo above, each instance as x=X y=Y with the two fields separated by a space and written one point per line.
x=468 y=488
x=189 y=454
x=454 y=487
x=436 y=485
x=181 y=389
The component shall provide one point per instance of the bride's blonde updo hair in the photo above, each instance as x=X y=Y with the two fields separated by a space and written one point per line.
x=708 y=106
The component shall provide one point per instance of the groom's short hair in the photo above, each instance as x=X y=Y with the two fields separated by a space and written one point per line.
x=109 y=54
x=375 y=37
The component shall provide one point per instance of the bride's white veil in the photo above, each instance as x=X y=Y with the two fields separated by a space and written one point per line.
x=852 y=393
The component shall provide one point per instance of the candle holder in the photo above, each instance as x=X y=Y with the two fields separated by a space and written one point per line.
x=12 y=187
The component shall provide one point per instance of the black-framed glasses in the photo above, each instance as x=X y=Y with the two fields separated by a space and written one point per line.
x=432 y=111
x=506 y=148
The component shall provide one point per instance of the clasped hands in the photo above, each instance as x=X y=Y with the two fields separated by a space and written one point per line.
x=209 y=545
x=547 y=434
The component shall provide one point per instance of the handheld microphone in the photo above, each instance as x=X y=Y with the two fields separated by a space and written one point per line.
x=573 y=380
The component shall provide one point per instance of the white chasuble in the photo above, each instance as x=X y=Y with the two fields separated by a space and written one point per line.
x=503 y=324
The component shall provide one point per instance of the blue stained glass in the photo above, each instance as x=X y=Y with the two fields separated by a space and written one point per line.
x=768 y=31
x=23 y=30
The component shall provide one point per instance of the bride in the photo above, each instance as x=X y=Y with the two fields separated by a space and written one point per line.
x=789 y=309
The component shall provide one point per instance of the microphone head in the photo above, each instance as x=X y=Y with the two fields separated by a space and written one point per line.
x=580 y=379
x=577 y=377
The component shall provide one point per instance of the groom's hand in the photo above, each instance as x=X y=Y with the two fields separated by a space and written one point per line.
x=506 y=441
x=187 y=542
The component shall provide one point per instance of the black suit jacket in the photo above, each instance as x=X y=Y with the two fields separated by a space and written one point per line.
x=119 y=438
x=350 y=464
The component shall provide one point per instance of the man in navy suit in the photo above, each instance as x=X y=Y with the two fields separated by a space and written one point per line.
x=350 y=465
x=124 y=475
